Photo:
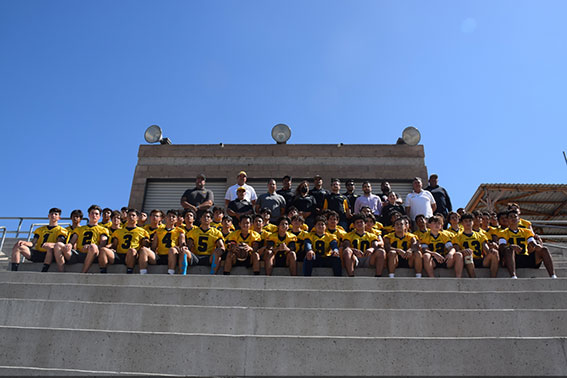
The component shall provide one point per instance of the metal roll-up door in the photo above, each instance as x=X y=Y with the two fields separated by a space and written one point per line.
x=165 y=195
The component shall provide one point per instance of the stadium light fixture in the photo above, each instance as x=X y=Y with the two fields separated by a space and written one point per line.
x=281 y=133
x=410 y=136
x=153 y=134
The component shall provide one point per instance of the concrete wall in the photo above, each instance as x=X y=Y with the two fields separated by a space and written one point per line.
x=367 y=161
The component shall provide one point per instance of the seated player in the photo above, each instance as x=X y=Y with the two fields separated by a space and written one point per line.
x=333 y=226
x=420 y=226
x=166 y=245
x=402 y=249
x=362 y=248
x=258 y=226
x=205 y=245
x=494 y=219
x=76 y=218
x=115 y=222
x=106 y=215
x=227 y=226
x=218 y=215
x=126 y=245
x=438 y=250
x=280 y=249
x=454 y=224
x=266 y=216
x=142 y=219
x=475 y=249
x=180 y=221
x=321 y=249
x=156 y=217
x=297 y=223
x=523 y=223
x=85 y=242
x=520 y=249
x=370 y=225
x=393 y=216
x=293 y=212
x=243 y=245
x=124 y=214
x=189 y=221
x=41 y=247
x=240 y=206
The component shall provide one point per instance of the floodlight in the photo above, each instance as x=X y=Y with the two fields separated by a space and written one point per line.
x=281 y=133
x=153 y=134
x=410 y=136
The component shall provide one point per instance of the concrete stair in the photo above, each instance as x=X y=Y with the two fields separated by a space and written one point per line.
x=118 y=324
x=238 y=325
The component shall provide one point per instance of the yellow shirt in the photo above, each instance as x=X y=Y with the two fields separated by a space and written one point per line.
x=322 y=245
x=403 y=243
x=472 y=241
x=440 y=243
x=521 y=237
x=361 y=242
x=90 y=235
x=129 y=238
x=204 y=241
x=48 y=234
x=166 y=239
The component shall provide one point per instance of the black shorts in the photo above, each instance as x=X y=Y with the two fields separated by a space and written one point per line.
x=440 y=265
x=402 y=263
x=300 y=255
x=478 y=263
x=76 y=257
x=246 y=262
x=119 y=258
x=37 y=256
x=161 y=259
x=203 y=260
x=527 y=261
x=280 y=260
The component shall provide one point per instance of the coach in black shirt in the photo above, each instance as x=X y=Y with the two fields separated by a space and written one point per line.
x=199 y=199
x=440 y=195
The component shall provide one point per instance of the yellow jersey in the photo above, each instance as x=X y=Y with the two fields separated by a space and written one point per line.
x=204 y=241
x=339 y=232
x=151 y=231
x=48 y=234
x=361 y=242
x=129 y=238
x=276 y=240
x=322 y=245
x=472 y=241
x=70 y=231
x=523 y=223
x=166 y=239
x=440 y=243
x=236 y=237
x=403 y=243
x=90 y=235
x=521 y=237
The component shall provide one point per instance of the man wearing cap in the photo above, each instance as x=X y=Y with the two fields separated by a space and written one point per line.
x=250 y=193
x=440 y=195
x=273 y=201
x=199 y=199
x=240 y=206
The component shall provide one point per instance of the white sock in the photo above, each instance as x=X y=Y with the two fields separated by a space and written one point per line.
x=391 y=275
x=143 y=271
x=171 y=271
x=553 y=276
x=418 y=275
x=514 y=277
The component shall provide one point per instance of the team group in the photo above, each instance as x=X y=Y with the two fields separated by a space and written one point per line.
x=282 y=227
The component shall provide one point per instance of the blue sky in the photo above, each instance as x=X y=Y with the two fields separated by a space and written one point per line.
x=80 y=81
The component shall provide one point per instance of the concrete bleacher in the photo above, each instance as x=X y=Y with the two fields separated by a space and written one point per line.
x=199 y=324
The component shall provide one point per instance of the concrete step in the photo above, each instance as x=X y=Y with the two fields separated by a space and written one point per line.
x=206 y=354
x=290 y=283
x=283 y=321
x=364 y=272
x=285 y=298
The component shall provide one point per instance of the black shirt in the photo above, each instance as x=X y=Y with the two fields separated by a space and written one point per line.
x=351 y=197
x=287 y=195
x=319 y=195
x=197 y=196
x=335 y=201
x=441 y=199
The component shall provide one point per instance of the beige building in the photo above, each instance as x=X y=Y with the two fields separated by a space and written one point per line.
x=164 y=172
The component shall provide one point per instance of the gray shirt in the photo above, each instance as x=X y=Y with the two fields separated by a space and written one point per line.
x=275 y=202
x=197 y=196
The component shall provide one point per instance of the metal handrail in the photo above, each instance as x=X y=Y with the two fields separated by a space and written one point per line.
x=21 y=220
x=3 y=237
x=33 y=226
